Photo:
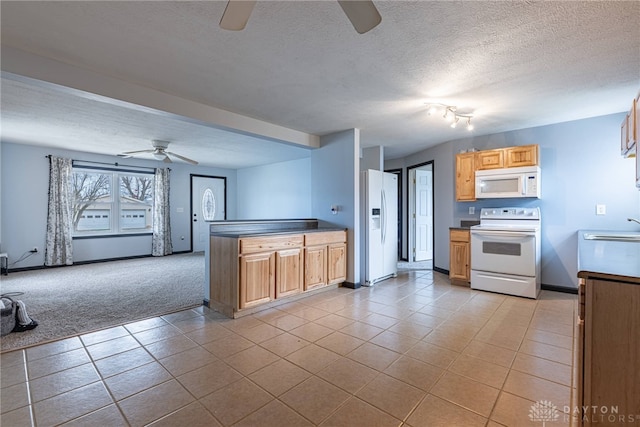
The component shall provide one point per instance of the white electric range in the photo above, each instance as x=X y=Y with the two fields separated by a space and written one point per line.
x=505 y=251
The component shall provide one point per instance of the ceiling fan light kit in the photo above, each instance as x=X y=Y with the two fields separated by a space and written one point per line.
x=362 y=13
x=450 y=114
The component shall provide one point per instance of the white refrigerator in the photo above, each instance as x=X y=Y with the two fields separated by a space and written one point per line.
x=380 y=222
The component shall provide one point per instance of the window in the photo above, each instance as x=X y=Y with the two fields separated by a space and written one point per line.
x=111 y=202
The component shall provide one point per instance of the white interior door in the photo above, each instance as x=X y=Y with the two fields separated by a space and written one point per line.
x=207 y=204
x=423 y=215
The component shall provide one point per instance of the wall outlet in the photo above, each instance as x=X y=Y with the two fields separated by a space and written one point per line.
x=601 y=209
x=472 y=210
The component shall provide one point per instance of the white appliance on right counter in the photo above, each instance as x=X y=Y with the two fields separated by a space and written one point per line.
x=505 y=251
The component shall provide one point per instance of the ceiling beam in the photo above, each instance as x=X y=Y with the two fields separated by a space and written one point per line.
x=18 y=64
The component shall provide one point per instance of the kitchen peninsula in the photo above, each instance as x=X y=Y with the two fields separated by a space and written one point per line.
x=608 y=356
x=257 y=264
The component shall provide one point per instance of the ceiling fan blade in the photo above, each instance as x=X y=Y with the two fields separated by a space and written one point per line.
x=128 y=153
x=363 y=14
x=193 y=162
x=236 y=14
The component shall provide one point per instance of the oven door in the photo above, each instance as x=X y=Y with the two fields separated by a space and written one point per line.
x=507 y=252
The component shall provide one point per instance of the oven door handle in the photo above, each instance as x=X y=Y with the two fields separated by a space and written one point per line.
x=503 y=233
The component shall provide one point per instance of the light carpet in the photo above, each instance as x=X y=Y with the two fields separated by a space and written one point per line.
x=72 y=300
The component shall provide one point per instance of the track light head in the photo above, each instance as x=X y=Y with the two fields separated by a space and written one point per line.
x=450 y=114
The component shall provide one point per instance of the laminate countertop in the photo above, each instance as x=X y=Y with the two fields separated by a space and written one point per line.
x=258 y=233
x=608 y=259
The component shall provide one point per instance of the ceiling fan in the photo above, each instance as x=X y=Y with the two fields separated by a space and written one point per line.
x=160 y=152
x=362 y=13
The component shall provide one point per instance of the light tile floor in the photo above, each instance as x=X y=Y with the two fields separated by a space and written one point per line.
x=413 y=351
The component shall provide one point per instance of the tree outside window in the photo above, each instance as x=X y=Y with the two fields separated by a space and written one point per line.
x=97 y=211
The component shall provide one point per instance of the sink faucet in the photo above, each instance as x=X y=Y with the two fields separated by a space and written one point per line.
x=633 y=219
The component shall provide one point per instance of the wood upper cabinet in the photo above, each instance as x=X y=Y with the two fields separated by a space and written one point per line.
x=459 y=256
x=525 y=155
x=629 y=131
x=257 y=279
x=465 y=177
x=490 y=159
x=510 y=157
x=468 y=163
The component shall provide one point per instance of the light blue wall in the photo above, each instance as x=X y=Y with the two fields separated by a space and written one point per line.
x=581 y=167
x=25 y=178
x=278 y=190
x=335 y=180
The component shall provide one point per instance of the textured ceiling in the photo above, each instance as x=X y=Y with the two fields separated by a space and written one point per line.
x=301 y=65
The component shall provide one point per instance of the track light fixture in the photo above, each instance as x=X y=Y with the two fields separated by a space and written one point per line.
x=450 y=114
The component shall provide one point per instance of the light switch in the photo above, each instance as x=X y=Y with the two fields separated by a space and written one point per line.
x=601 y=209
x=472 y=210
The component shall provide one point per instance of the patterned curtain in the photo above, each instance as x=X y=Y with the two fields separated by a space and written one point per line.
x=161 y=240
x=59 y=247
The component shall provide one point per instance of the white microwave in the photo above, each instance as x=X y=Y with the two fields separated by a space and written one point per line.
x=508 y=183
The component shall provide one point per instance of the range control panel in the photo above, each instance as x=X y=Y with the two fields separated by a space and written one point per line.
x=510 y=213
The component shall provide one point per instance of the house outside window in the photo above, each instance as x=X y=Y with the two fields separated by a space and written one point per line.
x=111 y=202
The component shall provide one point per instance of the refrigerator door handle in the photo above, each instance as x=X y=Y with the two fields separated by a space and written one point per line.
x=383 y=219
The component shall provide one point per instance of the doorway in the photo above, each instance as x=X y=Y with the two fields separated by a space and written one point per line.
x=208 y=203
x=421 y=219
x=398 y=173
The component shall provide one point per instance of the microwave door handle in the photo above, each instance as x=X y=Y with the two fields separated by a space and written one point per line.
x=524 y=185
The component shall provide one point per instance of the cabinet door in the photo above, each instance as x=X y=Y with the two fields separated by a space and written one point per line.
x=526 y=155
x=459 y=261
x=611 y=347
x=633 y=127
x=490 y=159
x=465 y=177
x=624 y=136
x=315 y=267
x=337 y=263
x=288 y=272
x=257 y=279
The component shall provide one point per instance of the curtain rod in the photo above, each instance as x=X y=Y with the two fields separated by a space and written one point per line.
x=48 y=156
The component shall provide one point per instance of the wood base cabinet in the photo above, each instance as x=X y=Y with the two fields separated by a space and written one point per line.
x=288 y=272
x=459 y=257
x=247 y=272
x=315 y=261
x=608 y=352
x=325 y=259
x=257 y=278
x=337 y=263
